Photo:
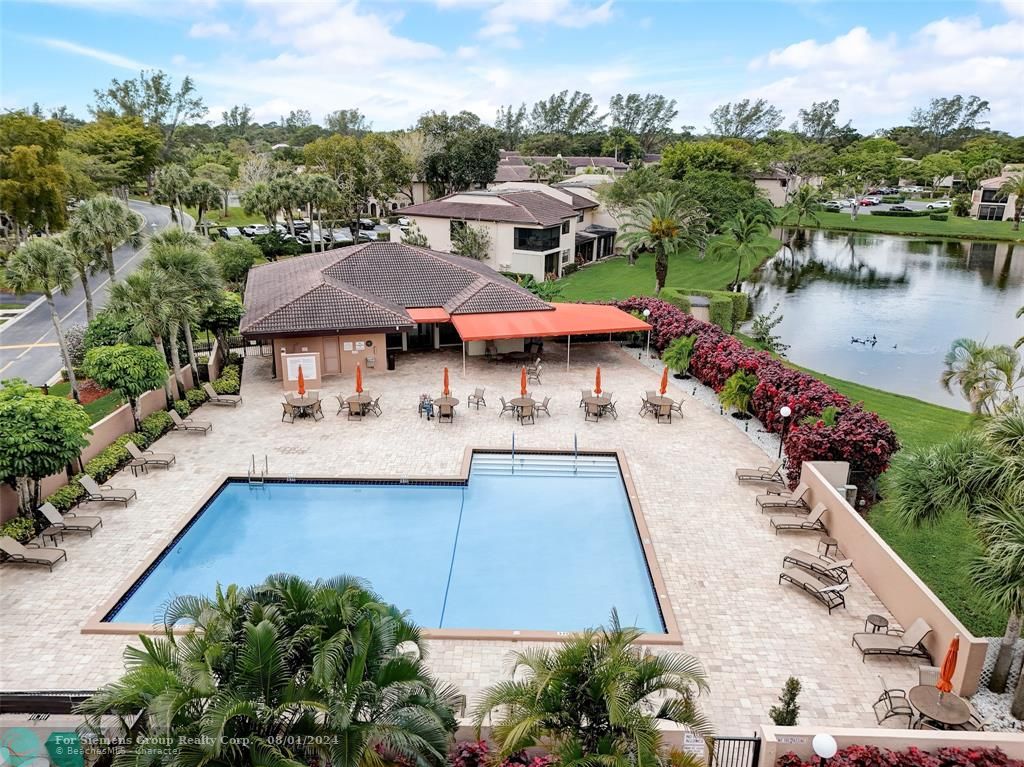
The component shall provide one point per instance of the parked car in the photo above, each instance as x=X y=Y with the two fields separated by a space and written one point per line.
x=939 y=205
x=255 y=230
x=365 y=236
x=341 y=235
x=832 y=205
x=305 y=238
x=230 y=232
x=367 y=224
x=900 y=208
x=870 y=201
x=402 y=221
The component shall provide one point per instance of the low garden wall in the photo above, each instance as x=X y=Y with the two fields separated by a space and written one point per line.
x=901 y=591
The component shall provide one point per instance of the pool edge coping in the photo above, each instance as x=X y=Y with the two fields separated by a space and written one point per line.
x=95 y=625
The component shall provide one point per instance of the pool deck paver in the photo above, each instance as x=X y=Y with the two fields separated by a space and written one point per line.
x=716 y=551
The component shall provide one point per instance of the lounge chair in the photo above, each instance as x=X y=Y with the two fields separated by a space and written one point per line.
x=908 y=644
x=148 y=457
x=893 y=703
x=811 y=523
x=506 y=408
x=795 y=502
x=818 y=565
x=69 y=523
x=476 y=399
x=221 y=399
x=526 y=413
x=288 y=411
x=543 y=407
x=829 y=594
x=188 y=424
x=445 y=412
x=771 y=473
x=94 y=492
x=32 y=554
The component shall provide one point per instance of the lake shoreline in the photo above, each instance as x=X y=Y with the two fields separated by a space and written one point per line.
x=925 y=227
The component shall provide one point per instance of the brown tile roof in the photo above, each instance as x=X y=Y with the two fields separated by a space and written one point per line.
x=526 y=207
x=369 y=287
x=506 y=173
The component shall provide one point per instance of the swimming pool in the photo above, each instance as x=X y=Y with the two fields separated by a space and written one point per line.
x=547 y=543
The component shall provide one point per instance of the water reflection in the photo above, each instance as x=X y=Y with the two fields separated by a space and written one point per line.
x=915 y=295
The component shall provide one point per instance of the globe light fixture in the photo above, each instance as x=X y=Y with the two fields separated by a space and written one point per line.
x=785 y=412
x=824 y=745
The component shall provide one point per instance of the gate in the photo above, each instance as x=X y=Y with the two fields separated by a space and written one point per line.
x=735 y=751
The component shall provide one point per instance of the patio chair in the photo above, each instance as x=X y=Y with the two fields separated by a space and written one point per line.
x=533 y=374
x=677 y=407
x=584 y=393
x=445 y=412
x=543 y=407
x=316 y=409
x=646 y=406
x=592 y=412
x=506 y=408
x=772 y=473
x=476 y=399
x=375 y=407
x=822 y=567
x=977 y=723
x=893 y=703
x=927 y=675
x=94 y=492
x=288 y=411
x=907 y=644
x=32 y=554
x=812 y=523
x=610 y=408
x=188 y=424
x=221 y=399
x=148 y=457
x=355 y=411
x=342 y=404
x=526 y=412
x=313 y=394
x=69 y=523
x=829 y=594
x=795 y=502
x=664 y=413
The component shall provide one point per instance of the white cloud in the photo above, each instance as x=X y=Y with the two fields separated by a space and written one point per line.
x=855 y=48
x=497 y=29
x=504 y=17
x=114 y=59
x=1013 y=7
x=202 y=29
x=968 y=37
x=467 y=52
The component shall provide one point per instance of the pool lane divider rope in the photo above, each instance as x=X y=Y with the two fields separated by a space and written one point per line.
x=451 y=563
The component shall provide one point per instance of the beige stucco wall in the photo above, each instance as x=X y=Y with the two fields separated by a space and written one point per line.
x=904 y=594
x=1008 y=210
x=333 y=358
x=773 y=190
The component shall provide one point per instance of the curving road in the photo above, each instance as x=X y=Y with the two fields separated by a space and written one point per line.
x=28 y=343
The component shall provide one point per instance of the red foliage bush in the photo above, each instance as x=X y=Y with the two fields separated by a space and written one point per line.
x=871 y=756
x=859 y=437
x=468 y=753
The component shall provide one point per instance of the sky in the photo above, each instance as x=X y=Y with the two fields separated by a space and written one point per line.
x=396 y=60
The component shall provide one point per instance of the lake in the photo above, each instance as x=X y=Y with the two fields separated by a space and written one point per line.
x=909 y=296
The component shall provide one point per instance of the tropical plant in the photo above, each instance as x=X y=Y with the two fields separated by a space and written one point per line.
x=663 y=222
x=828 y=417
x=42 y=265
x=738 y=392
x=471 y=242
x=104 y=222
x=677 y=354
x=787 y=712
x=961 y=205
x=595 y=699
x=987 y=376
x=319 y=191
x=803 y=205
x=762 y=331
x=260 y=199
x=234 y=259
x=171 y=187
x=42 y=434
x=1014 y=185
x=129 y=370
x=222 y=317
x=415 y=237
x=87 y=261
x=744 y=241
x=285 y=673
x=204 y=195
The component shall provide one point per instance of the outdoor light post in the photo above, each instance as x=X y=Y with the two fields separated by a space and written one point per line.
x=785 y=412
x=647 y=313
x=824 y=746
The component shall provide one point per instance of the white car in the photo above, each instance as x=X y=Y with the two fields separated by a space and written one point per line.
x=939 y=205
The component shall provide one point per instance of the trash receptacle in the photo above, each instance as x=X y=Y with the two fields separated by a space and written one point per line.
x=391 y=360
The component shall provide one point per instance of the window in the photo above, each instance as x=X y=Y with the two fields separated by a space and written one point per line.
x=537 y=239
x=579 y=217
x=565 y=227
x=991 y=195
x=454 y=227
x=565 y=256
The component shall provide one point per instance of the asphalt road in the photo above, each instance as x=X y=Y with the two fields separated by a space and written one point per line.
x=28 y=343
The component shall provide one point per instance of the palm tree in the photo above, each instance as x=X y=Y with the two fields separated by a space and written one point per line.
x=204 y=195
x=87 y=260
x=104 y=222
x=172 y=186
x=285 y=673
x=802 y=205
x=663 y=222
x=150 y=299
x=286 y=190
x=744 y=235
x=318 y=191
x=42 y=265
x=596 y=699
x=259 y=198
x=1014 y=185
x=987 y=376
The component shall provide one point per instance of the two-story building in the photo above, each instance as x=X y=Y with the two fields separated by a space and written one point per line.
x=988 y=203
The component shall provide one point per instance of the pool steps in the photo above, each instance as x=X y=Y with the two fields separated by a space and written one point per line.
x=541 y=465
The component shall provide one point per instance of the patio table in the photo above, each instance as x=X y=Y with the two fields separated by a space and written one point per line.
x=304 y=404
x=944 y=709
x=518 y=402
x=363 y=399
x=446 y=401
x=600 y=400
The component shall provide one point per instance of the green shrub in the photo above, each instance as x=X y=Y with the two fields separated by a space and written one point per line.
x=383 y=236
x=21 y=529
x=738 y=391
x=229 y=382
x=110 y=460
x=938 y=216
x=155 y=426
x=182 y=407
x=894 y=199
x=67 y=496
x=720 y=312
x=196 y=397
x=740 y=304
x=235 y=359
x=570 y=269
x=676 y=298
x=901 y=213
x=677 y=354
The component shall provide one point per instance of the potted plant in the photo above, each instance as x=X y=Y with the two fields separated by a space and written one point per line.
x=677 y=355
x=737 y=393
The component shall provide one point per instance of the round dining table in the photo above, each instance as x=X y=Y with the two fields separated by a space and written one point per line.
x=304 y=404
x=446 y=401
x=520 y=401
x=362 y=399
x=660 y=400
x=598 y=399
x=943 y=708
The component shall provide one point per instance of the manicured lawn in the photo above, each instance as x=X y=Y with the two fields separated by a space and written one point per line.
x=951 y=227
x=98 y=409
x=235 y=217
x=12 y=306
x=616 y=279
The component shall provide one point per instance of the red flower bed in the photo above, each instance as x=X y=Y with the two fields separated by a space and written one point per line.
x=870 y=756
x=859 y=437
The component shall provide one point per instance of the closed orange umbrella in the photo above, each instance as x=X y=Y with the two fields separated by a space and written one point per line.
x=447 y=391
x=945 y=683
x=664 y=381
x=522 y=381
x=302 y=382
x=597 y=381
x=359 y=380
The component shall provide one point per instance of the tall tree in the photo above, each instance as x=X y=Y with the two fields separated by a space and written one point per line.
x=665 y=222
x=204 y=196
x=688 y=156
x=647 y=117
x=949 y=120
x=415 y=146
x=818 y=122
x=939 y=165
x=320 y=192
x=745 y=119
x=744 y=240
x=42 y=265
x=348 y=122
x=87 y=260
x=802 y=206
x=511 y=123
x=120 y=151
x=260 y=199
x=298 y=118
x=171 y=187
x=218 y=175
x=562 y=113
x=465 y=151
x=237 y=119
x=104 y=223
x=988 y=376
x=471 y=242
x=287 y=194
x=864 y=165
x=32 y=179
x=152 y=96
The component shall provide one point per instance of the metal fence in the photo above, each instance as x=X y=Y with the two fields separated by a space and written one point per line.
x=238 y=345
x=730 y=751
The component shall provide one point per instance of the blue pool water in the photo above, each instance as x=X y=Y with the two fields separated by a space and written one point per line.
x=544 y=548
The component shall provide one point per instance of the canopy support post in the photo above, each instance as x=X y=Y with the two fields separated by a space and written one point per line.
x=648 y=345
x=568 y=351
x=463 y=358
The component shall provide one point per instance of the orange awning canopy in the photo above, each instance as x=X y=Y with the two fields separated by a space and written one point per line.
x=563 y=320
x=430 y=314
